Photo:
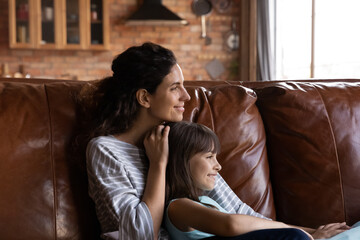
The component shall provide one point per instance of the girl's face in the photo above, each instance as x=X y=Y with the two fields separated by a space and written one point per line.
x=167 y=103
x=203 y=169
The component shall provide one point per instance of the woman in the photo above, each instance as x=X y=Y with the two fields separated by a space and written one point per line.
x=190 y=214
x=145 y=90
x=127 y=153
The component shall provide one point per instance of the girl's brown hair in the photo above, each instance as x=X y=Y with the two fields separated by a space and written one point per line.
x=185 y=140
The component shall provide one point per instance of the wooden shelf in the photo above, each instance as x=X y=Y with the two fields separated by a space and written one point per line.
x=61 y=25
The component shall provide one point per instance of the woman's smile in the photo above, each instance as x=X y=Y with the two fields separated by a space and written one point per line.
x=180 y=108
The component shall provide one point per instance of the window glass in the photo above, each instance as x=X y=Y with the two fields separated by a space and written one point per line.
x=293 y=38
x=72 y=22
x=96 y=22
x=47 y=22
x=337 y=39
x=22 y=21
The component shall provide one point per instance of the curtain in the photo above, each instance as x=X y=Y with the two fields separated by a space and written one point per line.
x=264 y=41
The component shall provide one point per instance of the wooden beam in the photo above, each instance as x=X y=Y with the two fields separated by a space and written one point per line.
x=252 y=40
x=248 y=50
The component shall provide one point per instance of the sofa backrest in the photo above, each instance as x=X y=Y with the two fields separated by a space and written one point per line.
x=43 y=186
x=43 y=192
x=313 y=140
x=313 y=143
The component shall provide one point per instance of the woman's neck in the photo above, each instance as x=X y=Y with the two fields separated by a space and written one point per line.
x=136 y=134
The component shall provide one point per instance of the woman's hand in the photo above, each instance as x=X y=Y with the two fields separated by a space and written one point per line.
x=156 y=145
x=329 y=230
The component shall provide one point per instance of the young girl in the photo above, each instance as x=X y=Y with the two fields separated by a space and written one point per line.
x=192 y=171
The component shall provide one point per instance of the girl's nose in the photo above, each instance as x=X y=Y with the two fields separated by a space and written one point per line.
x=217 y=166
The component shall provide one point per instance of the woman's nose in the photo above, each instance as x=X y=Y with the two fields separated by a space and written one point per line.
x=185 y=95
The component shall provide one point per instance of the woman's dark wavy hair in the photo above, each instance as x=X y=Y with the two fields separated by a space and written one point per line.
x=185 y=140
x=113 y=100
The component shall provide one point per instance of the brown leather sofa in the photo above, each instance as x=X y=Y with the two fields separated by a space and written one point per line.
x=290 y=149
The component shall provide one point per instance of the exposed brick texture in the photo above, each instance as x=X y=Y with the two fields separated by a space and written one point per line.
x=190 y=50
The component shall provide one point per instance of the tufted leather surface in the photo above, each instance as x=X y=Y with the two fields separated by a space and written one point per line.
x=314 y=150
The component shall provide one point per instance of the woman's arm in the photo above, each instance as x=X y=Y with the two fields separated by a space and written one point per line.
x=114 y=187
x=226 y=198
x=186 y=215
x=156 y=145
x=154 y=195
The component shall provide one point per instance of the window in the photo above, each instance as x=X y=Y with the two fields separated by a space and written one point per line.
x=317 y=39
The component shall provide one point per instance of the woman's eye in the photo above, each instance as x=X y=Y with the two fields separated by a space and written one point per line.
x=174 y=88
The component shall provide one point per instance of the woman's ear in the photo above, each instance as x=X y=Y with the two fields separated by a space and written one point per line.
x=142 y=97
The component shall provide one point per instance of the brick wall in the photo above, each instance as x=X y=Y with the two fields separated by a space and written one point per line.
x=190 y=50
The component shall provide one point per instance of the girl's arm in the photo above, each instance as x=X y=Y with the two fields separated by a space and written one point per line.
x=187 y=215
x=326 y=231
x=156 y=145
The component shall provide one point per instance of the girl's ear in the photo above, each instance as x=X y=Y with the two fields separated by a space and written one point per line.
x=142 y=97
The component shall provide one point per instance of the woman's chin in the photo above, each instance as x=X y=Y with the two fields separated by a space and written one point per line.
x=176 y=118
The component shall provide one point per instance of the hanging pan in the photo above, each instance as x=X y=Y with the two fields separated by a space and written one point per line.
x=202 y=8
x=222 y=6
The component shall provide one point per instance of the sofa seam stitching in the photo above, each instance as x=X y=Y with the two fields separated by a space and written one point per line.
x=336 y=149
x=52 y=161
x=211 y=110
x=267 y=190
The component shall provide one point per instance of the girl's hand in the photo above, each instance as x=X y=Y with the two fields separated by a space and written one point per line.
x=156 y=145
x=330 y=230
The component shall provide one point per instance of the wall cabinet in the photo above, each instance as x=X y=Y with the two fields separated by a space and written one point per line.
x=59 y=24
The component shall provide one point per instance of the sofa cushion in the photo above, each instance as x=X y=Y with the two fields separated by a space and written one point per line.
x=313 y=141
x=75 y=213
x=231 y=112
x=43 y=191
x=26 y=183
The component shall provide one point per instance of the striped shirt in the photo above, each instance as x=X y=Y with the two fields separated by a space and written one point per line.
x=117 y=173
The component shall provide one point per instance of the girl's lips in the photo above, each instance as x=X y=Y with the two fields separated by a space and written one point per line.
x=213 y=176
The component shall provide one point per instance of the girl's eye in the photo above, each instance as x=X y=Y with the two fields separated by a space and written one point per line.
x=174 y=88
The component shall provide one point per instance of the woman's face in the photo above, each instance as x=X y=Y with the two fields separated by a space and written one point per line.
x=204 y=168
x=167 y=103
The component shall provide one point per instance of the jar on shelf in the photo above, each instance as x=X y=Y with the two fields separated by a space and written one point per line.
x=5 y=70
x=22 y=12
x=22 y=34
x=48 y=14
x=94 y=12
